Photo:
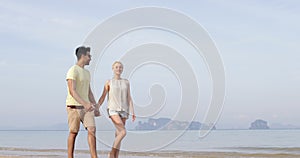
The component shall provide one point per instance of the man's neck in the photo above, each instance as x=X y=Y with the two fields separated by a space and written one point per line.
x=80 y=64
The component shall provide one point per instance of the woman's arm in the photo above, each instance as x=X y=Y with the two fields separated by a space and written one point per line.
x=130 y=102
x=101 y=99
x=105 y=91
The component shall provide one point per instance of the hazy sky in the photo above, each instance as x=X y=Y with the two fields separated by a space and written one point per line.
x=258 y=43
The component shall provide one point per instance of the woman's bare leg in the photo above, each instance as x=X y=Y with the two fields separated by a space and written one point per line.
x=119 y=147
x=120 y=134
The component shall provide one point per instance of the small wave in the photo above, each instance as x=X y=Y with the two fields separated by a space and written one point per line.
x=32 y=150
x=284 y=150
x=61 y=153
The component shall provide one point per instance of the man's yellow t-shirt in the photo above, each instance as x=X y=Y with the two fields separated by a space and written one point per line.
x=82 y=78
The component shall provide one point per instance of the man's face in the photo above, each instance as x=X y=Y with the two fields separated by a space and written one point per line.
x=87 y=58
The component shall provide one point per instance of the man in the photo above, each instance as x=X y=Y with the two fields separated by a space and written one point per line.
x=81 y=102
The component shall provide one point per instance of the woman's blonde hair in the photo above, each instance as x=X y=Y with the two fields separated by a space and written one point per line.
x=116 y=62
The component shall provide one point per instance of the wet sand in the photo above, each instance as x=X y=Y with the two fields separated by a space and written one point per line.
x=167 y=154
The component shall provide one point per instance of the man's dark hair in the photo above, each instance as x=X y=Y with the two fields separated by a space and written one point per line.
x=81 y=51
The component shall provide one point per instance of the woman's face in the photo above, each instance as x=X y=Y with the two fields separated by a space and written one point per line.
x=117 y=68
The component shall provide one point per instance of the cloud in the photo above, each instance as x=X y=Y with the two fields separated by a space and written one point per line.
x=43 y=25
x=275 y=116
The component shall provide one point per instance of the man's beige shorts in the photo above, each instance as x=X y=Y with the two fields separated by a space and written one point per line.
x=77 y=115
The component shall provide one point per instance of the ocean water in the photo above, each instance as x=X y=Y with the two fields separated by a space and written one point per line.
x=241 y=141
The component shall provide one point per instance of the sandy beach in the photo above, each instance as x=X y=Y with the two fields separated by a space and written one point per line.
x=219 y=144
x=43 y=153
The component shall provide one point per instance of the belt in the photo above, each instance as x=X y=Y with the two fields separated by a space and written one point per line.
x=75 y=107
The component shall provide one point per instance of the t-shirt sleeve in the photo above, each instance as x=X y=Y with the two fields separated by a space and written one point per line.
x=71 y=74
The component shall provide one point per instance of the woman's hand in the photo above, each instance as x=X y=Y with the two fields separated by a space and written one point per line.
x=133 y=117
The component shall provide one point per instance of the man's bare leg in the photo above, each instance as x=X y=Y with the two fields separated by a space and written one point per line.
x=92 y=141
x=71 y=144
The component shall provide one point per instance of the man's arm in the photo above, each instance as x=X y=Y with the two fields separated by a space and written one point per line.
x=93 y=101
x=75 y=95
x=91 y=96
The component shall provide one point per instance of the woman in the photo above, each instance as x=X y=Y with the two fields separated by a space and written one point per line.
x=119 y=104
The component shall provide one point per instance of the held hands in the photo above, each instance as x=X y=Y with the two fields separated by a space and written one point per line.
x=96 y=111
x=92 y=107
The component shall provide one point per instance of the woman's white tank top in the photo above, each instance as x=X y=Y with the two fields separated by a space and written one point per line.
x=117 y=95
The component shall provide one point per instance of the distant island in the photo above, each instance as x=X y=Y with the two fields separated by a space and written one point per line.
x=168 y=124
x=259 y=124
x=155 y=124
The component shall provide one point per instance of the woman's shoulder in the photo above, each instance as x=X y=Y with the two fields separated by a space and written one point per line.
x=107 y=82
x=125 y=80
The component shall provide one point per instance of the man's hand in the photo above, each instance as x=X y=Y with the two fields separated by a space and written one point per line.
x=89 y=107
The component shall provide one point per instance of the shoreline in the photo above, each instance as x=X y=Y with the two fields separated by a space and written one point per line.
x=165 y=155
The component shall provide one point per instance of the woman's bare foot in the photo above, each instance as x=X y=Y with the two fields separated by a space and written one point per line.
x=112 y=153
x=117 y=153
